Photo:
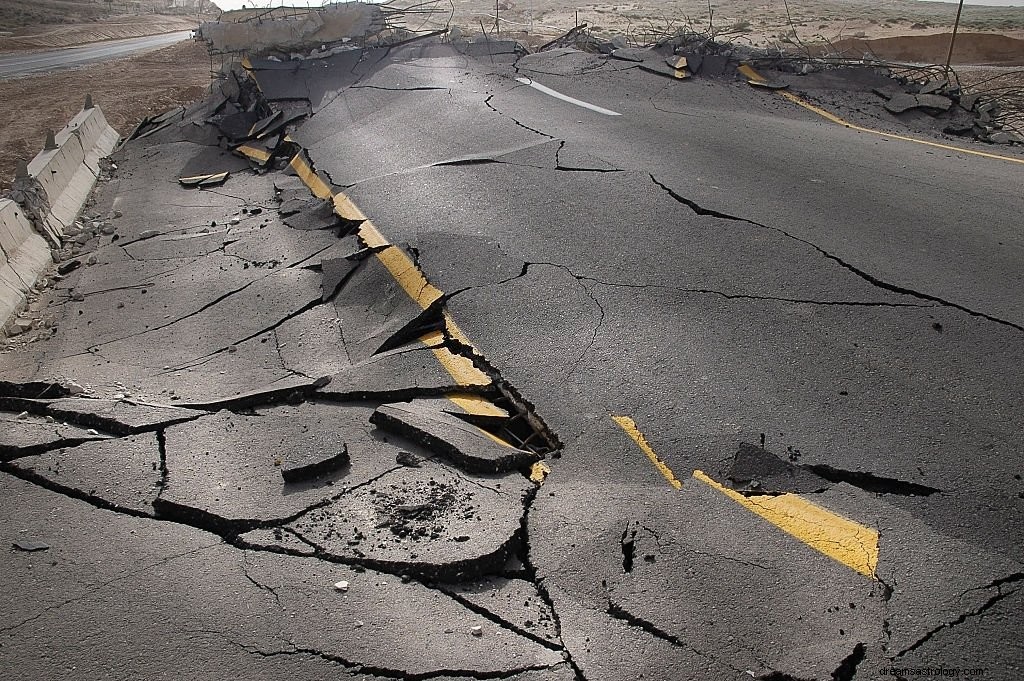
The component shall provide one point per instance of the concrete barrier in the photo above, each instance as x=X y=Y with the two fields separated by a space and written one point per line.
x=25 y=255
x=54 y=189
x=68 y=172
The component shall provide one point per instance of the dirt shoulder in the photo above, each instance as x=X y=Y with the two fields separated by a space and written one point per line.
x=127 y=90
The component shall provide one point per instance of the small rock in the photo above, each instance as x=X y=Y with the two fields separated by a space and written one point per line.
x=50 y=419
x=92 y=431
x=149 y=234
x=69 y=266
x=77 y=297
x=477 y=631
x=30 y=545
x=91 y=260
x=341 y=586
x=407 y=459
x=22 y=416
x=116 y=214
x=359 y=623
x=1000 y=138
x=107 y=229
x=73 y=388
x=234 y=221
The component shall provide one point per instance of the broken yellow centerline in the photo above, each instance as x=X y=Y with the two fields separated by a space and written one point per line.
x=408 y=275
x=316 y=184
x=753 y=75
x=841 y=539
x=627 y=424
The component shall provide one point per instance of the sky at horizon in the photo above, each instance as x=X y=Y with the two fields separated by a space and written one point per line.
x=237 y=4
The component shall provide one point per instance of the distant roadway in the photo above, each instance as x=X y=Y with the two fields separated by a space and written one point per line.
x=25 y=63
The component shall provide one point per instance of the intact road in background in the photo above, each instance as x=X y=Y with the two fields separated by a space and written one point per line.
x=24 y=63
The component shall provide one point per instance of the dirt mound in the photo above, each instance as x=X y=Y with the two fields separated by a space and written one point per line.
x=971 y=48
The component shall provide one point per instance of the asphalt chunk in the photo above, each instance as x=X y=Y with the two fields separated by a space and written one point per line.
x=465 y=445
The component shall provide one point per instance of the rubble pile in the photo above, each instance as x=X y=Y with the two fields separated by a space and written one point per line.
x=964 y=114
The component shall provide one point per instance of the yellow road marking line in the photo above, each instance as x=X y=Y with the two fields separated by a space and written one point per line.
x=401 y=267
x=460 y=368
x=836 y=536
x=799 y=101
x=412 y=281
x=751 y=74
x=839 y=538
x=347 y=210
x=480 y=406
x=311 y=179
x=627 y=424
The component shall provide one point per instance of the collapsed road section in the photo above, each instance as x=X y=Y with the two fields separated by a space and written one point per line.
x=330 y=429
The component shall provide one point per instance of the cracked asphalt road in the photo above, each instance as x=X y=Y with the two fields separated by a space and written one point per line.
x=307 y=445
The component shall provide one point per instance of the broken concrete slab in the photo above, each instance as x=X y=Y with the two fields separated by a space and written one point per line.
x=225 y=469
x=335 y=271
x=634 y=54
x=311 y=214
x=255 y=614
x=934 y=102
x=311 y=344
x=375 y=311
x=698 y=557
x=402 y=373
x=754 y=471
x=515 y=601
x=123 y=474
x=118 y=416
x=312 y=464
x=901 y=102
x=28 y=434
x=427 y=520
x=467 y=446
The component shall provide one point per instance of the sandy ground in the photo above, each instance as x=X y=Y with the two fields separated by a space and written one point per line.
x=127 y=90
x=757 y=22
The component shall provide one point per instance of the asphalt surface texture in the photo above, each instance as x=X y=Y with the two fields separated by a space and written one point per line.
x=464 y=379
x=15 y=64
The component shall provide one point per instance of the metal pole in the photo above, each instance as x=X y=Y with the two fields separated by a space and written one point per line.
x=952 y=38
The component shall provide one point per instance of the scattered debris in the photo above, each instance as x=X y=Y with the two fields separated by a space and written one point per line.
x=203 y=181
